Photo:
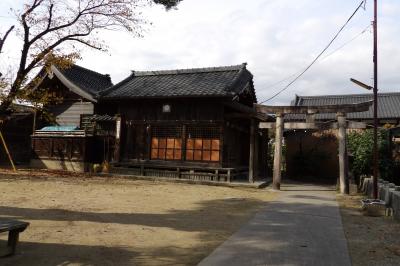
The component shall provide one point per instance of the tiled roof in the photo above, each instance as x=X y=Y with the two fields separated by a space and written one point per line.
x=102 y=118
x=388 y=105
x=86 y=79
x=196 y=82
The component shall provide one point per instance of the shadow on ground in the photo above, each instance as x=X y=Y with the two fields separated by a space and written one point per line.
x=30 y=253
x=210 y=218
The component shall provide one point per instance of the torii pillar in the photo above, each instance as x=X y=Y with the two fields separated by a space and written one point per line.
x=276 y=183
x=343 y=167
x=252 y=154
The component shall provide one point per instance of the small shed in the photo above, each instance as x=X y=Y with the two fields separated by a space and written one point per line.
x=69 y=143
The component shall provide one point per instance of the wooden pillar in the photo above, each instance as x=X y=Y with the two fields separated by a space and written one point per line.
x=252 y=151
x=276 y=181
x=148 y=142
x=256 y=152
x=265 y=151
x=343 y=175
x=310 y=118
x=34 y=121
x=183 y=149
x=117 y=150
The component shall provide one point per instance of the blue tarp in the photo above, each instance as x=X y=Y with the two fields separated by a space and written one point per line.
x=59 y=128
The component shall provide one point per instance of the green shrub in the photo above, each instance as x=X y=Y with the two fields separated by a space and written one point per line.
x=361 y=147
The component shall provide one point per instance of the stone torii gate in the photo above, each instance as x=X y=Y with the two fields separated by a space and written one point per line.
x=310 y=111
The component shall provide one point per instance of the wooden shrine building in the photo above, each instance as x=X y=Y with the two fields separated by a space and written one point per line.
x=190 y=123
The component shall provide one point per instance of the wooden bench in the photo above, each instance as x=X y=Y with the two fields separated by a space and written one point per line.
x=13 y=228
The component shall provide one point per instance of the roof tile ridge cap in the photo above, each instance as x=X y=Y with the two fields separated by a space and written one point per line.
x=389 y=93
x=188 y=70
x=335 y=95
x=352 y=95
x=89 y=70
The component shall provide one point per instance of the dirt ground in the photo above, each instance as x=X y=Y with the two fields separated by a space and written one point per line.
x=108 y=221
x=371 y=240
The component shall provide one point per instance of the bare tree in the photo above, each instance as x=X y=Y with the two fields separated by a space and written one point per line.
x=47 y=26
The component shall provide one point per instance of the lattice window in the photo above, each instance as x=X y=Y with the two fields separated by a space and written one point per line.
x=166 y=143
x=203 y=144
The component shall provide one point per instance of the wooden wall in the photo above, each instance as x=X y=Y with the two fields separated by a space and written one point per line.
x=71 y=107
x=188 y=109
x=69 y=112
x=61 y=148
x=237 y=143
x=142 y=116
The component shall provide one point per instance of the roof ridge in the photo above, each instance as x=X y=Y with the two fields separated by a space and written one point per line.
x=189 y=70
x=86 y=69
x=346 y=95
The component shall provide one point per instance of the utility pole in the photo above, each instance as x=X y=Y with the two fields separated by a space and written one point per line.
x=375 y=90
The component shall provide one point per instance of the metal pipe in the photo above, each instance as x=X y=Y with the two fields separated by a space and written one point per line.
x=375 y=90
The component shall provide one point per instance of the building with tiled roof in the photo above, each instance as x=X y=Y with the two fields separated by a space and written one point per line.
x=388 y=106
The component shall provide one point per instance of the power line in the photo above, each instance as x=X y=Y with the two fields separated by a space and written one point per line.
x=346 y=43
x=323 y=58
x=280 y=81
x=319 y=55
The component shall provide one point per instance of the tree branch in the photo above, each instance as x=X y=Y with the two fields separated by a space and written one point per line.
x=2 y=40
x=25 y=49
x=45 y=24
x=50 y=16
x=85 y=43
x=51 y=47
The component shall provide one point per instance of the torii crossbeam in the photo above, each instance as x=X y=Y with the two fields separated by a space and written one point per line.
x=310 y=111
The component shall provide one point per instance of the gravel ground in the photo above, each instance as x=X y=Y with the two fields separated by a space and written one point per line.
x=371 y=240
x=77 y=220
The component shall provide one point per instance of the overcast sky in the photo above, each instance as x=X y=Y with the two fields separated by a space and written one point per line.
x=277 y=38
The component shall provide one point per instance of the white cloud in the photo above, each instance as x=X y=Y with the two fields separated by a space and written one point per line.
x=276 y=37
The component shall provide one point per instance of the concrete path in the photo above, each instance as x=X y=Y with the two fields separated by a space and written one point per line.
x=302 y=227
